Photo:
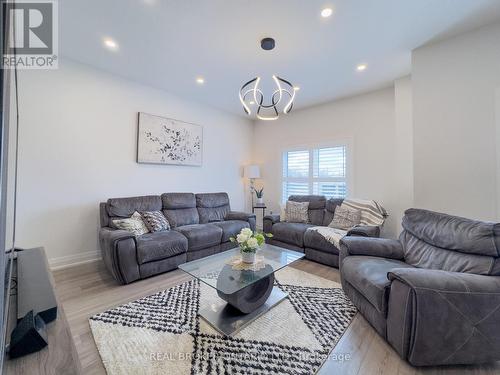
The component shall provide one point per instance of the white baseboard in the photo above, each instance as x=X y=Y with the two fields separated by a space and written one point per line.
x=74 y=260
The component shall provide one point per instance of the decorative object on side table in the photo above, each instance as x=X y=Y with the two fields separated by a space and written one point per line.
x=259 y=193
x=163 y=140
x=249 y=242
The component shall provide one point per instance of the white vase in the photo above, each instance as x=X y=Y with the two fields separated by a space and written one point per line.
x=248 y=257
x=260 y=200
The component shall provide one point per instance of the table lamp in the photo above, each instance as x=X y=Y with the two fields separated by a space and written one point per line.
x=252 y=172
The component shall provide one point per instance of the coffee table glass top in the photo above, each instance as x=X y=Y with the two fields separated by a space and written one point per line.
x=218 y=272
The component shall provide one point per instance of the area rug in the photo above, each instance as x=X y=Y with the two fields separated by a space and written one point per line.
x=162 y=333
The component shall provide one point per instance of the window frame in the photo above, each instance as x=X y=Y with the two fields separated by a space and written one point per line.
x=310 y=180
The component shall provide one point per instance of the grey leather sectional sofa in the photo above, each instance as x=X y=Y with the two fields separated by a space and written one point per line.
x=434 y=294
x=201 y=225
x=295 y=236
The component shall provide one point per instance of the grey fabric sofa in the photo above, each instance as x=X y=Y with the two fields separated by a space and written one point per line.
x=434 y=294
x=201 y=225
x=295 y=236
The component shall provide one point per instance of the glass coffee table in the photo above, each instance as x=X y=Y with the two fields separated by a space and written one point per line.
x=245 y=293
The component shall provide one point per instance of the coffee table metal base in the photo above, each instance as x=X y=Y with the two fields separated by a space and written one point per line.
x=228 y=320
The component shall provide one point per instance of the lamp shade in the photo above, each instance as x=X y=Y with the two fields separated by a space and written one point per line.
x=252 y=171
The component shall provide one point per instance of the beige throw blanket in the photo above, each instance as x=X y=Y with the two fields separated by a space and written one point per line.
x=372 y=213
x=332 y=235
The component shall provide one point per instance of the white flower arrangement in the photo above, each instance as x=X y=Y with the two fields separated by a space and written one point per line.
x=249 y=241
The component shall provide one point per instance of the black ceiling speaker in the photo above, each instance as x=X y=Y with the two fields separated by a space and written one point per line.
x=267 y=44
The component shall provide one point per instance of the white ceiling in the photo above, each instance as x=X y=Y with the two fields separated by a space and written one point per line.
x=168 y=43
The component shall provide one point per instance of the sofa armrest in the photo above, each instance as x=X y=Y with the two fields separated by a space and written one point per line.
x=269 y=221
x=119 y=254
x=441 y=318
x=364 y=231
x=437 y=280
x=243 y=216
x=110 y=235
x=367 y=246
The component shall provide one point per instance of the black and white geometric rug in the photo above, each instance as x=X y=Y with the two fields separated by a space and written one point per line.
x=162 y=333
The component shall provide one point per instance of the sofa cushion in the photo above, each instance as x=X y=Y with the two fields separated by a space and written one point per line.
x=125 y=207
x=231 y=228
x=368 y=275
x=212 y=207
x=160 y=245
x=180 y=209
x=421 y=254
x=314 y=240
x=330 y=207
x=453 y=232
x=292 y=233
x=200 y=236
x=316 y=207
x=212 y=200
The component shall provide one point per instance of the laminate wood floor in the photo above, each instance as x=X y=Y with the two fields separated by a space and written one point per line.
x=88 y=289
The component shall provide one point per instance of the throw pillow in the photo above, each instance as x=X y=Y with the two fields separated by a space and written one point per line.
x=134 y=224
x=296 y=212
x=155 y=221
x=345 y=218
x=282 y=212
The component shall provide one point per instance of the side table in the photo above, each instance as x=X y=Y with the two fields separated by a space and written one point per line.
x=263 y=208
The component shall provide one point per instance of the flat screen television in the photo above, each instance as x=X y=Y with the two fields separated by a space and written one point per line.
x=8 y=144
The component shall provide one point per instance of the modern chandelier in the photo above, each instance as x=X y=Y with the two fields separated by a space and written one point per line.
x=281 y=100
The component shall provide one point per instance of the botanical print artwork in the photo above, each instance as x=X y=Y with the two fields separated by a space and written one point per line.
x=168 y=141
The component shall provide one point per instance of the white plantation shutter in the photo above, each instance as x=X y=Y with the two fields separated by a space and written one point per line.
x=330 y=189
x=315 y=171
x=329 y=162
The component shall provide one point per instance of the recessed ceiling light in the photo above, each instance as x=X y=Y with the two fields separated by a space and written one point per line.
x=327 y=12
x=296 y=88
x=252 y=102
x=110 y=44
x=200 y=80
x=361 y=67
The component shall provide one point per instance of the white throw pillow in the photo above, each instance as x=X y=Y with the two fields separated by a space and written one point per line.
x=134 y=224
x=345 y=218
x=282 y=212
x=297 y=212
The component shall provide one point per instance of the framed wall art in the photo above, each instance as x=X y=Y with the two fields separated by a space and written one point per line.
x=163 y=140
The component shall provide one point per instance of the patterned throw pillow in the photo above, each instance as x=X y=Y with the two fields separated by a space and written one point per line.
x=155 y=221
x=345 y=218
x=134 y=224
x=283 y=212
x=296 y=212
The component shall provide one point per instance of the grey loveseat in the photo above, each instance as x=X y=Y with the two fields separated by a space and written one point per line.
x=434 y=294
x=201 y=225
x=295 y=236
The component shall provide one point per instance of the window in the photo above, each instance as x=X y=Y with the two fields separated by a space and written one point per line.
x=315 y=171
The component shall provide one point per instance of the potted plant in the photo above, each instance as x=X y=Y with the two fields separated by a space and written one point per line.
x=260 y=195
x=249 y=242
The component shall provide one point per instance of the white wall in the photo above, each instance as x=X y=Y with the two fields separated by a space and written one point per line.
x=366 y=121
x=78 y=147
x=455 y=144
x=403 y=172
x=497 y=169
